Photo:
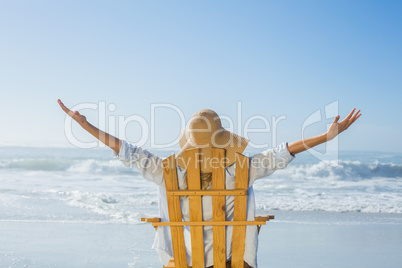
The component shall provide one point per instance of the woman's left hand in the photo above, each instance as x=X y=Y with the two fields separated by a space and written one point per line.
x=337 y=128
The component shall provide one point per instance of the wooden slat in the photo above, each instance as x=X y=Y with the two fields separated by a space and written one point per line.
x=210 y=223
x=207 y=192
x=179 y=248
x=219 y=210
x=194 y=183
x=240 y=209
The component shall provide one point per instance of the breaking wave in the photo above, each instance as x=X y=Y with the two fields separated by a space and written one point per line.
x=343 y=170
x=349 y=186
x=69 y=165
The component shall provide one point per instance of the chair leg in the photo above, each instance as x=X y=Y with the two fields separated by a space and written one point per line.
x=172 y=264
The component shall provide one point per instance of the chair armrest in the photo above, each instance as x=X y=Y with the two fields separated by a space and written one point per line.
x=264 y=217
x=151 y=219
x=155 y=219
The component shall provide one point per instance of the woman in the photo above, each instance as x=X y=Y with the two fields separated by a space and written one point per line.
x=205 y=131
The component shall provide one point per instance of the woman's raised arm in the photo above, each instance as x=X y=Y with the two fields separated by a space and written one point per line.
x=334 y=130
x=109 y=140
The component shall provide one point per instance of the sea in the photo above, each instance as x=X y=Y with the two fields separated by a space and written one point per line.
x=41 y=184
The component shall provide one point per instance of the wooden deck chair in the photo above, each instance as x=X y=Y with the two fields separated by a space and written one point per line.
x=196 y=222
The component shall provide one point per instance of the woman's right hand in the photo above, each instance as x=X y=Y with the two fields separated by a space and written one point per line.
x=337 y=127
x=80 y=119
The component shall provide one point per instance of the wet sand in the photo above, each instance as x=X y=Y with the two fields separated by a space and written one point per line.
x=293 y=239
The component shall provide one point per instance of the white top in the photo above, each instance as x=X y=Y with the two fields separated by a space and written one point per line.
x=150 y=166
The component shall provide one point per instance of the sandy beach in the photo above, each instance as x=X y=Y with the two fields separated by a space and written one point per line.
x=294 y=239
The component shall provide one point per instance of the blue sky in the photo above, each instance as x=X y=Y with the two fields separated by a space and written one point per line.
x=274 y=58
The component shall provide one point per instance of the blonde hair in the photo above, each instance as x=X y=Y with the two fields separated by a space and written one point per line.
x=206 y=180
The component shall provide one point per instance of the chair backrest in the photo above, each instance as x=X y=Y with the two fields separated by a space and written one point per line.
x=196 y=222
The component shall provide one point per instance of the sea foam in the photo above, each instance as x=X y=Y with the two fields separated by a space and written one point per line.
x=56 y=184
